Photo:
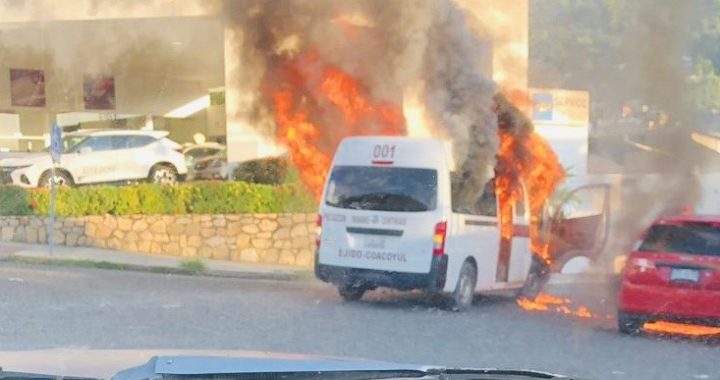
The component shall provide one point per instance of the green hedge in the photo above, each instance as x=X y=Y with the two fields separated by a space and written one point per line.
x=14 y=201
x=150 y=199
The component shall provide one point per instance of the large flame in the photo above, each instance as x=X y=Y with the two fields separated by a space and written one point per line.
x=316 y=106
x=525 y=162
x=297 y=132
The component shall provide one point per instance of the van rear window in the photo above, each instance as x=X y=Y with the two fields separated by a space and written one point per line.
x=690 y=238
x=382 y=189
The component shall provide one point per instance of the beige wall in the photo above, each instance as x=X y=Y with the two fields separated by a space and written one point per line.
x=506 y=24
x=158 y=64
x=9 y=126
x=51 y=10
x=34 y=123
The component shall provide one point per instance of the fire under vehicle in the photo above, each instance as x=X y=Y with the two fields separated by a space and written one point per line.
x=388 y=219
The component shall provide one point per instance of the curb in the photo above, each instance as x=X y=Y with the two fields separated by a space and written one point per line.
x=84 y=263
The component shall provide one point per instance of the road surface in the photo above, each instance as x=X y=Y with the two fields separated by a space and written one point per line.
x=51 y=307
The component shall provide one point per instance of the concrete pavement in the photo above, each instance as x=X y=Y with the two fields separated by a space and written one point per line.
x=145 y=262
x=52 y=307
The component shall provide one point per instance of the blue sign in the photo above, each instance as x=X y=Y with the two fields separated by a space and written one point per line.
x=543 y=106
x=56 y=145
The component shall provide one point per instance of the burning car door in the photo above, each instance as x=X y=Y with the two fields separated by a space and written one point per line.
x=578 y=224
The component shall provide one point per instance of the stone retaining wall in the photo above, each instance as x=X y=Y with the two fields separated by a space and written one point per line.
x=286 y=239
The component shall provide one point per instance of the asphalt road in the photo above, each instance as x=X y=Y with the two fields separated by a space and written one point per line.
x=50 y=307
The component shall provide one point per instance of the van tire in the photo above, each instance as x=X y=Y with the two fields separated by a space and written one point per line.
x=351 y=293
x=537 y=277
x=462 y=298
x=629 y=324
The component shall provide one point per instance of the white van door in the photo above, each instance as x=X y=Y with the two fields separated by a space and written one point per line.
x=381 y=218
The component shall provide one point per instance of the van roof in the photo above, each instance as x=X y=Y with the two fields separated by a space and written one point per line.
x=395 y=151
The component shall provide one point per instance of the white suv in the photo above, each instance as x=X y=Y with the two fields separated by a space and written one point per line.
x=94 y=156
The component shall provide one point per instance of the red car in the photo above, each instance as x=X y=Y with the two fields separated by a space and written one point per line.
x=673 y=275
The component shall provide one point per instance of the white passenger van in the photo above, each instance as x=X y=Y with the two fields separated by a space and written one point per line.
x=387 y=219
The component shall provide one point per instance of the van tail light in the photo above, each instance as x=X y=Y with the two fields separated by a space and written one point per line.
x=318 y=231
x=439 y=239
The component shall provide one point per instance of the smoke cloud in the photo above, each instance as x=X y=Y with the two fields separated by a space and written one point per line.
x=654 y=48
x=387 y=47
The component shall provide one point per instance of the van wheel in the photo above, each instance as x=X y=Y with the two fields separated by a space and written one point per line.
x=629 y=324
x=464 y=293
x=351 y=293
x=537 y=277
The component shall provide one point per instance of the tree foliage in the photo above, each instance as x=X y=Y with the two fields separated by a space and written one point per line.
x=653 y=50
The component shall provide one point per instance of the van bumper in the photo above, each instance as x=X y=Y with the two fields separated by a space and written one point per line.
x=433 y=280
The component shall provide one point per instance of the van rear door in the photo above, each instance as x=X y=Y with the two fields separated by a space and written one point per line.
x=380 y=217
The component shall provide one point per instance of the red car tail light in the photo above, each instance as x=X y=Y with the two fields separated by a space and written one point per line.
x=641 y=270
x=641 y=264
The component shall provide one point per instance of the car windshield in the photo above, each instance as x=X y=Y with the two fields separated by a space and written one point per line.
x=690 y=238
x=382 y=189
x=453 y=183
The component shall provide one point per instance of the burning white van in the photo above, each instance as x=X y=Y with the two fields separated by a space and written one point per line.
x=387 y=220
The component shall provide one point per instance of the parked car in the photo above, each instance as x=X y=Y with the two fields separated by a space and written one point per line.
x=206 y=161
x=96 y=156
x=674 y=274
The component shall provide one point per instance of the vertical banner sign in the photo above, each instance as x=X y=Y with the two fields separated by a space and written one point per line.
x=56 y=148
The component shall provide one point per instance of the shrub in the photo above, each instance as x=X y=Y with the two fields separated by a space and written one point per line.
x=269 y=171
x=151 y=199
x=14 y=201
x=193 y=266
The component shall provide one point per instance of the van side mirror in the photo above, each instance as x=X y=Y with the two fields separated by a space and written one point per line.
x=85 y=150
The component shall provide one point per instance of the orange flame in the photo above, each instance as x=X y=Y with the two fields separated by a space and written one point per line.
x=293 y=130
x=526 y=159
x=545 y=302
x=662 y=327
x=306 y=93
